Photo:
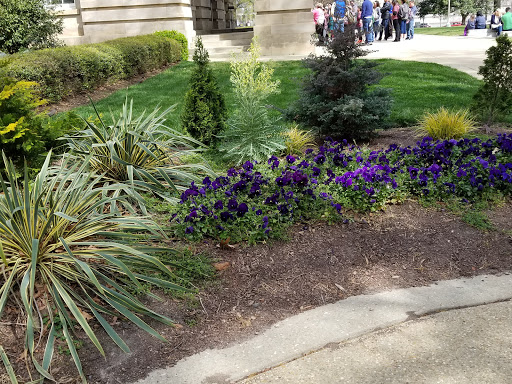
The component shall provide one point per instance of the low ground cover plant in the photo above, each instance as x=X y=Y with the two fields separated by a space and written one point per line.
x=251 y=202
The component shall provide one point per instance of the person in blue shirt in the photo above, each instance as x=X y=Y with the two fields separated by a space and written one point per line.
x=366 y=16
x=339 y=15
x=480 y=21
x=412 y=14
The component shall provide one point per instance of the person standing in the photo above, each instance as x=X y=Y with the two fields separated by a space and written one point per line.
x=385 y=15
x=403 y=18
x=506 y=19
x=319 y=19
x=376 y=19
x=396 y=23
x=338 y=12
x=367 y=16
x=412 y=14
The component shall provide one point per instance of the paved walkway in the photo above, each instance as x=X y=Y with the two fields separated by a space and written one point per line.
x=460 y=52
x=341 y=345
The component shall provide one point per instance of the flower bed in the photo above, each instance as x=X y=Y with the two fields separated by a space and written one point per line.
x=260 y=200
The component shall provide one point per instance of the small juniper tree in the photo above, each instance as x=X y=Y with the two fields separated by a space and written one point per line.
x=494 y=98
x=204 y=115
x=336 y=98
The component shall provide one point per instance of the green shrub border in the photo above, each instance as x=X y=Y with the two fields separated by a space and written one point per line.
x=65 y=71
x=180 y=38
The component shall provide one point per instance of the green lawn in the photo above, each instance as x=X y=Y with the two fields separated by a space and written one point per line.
x=416 y=87
x=441 y=31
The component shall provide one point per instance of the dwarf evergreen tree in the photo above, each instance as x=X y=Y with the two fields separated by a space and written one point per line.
x=337 y=98
x=204 y=115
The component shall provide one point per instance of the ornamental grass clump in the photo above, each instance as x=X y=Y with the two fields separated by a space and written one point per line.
x=136 y=155
x=445 y=124
x=298 y=140
x=65 y=258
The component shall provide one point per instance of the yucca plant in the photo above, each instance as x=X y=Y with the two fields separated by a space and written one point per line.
x=64 y=256
x=298 y=140
x=139 y=154
x=445 y=124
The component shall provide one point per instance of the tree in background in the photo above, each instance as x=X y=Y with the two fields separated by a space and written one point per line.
x=464 y=7
x=204 y=115
x=27 y=24
x=244 y=12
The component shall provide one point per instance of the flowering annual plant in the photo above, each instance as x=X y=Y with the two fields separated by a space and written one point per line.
x=259 y=199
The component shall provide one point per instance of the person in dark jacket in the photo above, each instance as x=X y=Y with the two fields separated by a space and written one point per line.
x=496 y=24
x=480 y=21
x=384 y=11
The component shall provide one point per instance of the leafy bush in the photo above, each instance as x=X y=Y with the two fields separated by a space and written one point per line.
x=24 y=133
x=252 y=133
x=180 y=38
x=61 y=253
x=297 y=140
x=27 y=24
x=138 y=154
x=494 y=98
x=204 y=114
x=336 y=98
x=444 y=124
x=65 y=71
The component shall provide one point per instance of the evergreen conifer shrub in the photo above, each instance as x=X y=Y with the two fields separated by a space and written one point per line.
x=494 y=98
x=337 y=98
x=204 y=115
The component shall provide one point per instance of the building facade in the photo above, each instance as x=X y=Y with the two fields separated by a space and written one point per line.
x=92 y=21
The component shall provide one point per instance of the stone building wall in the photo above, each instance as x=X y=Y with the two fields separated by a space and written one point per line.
x=284 y=27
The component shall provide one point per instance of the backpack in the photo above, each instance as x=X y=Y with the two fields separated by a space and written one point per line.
x=402 y=13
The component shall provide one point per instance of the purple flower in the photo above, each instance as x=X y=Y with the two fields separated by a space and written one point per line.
x=232 y=205
x=290 y=159
x=225 y=216
x=218 y=205
x=189 y=230
x=242 y=210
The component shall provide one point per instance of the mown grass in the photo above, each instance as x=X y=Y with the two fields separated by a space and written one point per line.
x=441 y=31
x=417 y=87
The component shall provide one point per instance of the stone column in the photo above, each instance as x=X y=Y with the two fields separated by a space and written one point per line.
x=106 y=20
x=284 y=27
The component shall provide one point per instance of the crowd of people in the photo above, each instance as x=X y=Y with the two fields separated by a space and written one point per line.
x=372 y=21
x=498 y=23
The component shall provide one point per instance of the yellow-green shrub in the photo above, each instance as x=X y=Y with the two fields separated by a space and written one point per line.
x=180 y=38
x=445 y=124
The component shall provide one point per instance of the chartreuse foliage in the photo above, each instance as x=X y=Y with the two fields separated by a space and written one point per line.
x=180 y=38
x=298 y=140
x=252 y=133
x=259 y=200
x=445 y=124
x=138 y=155
x=58 y=244
x=204 y=113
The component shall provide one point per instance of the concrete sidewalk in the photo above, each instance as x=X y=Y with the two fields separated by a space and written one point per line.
x=460 y=52
x=417 y=350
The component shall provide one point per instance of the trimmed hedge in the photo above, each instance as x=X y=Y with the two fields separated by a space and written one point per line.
x=180 y=38
x=65 y=71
